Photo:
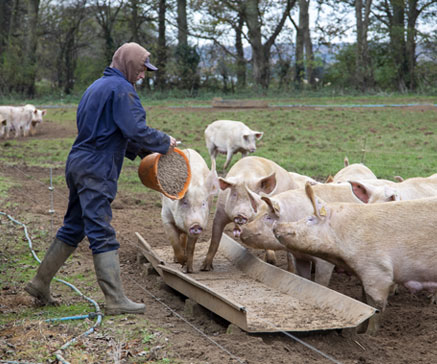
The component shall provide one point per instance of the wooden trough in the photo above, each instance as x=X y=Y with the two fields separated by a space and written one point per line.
x=254 y=295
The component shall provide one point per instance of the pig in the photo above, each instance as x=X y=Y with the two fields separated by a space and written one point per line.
x=184 y=220
x=409 y=189
x=230 y=137
x=260 y=175
x=301 y=179
x=37 y=118
x=382 y=244
x=355 y=171
x=3 y=126
x=293 y=205
x=18 y=118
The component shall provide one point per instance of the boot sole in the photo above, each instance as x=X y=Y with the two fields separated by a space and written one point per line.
x=40 y=297
x=119 y=311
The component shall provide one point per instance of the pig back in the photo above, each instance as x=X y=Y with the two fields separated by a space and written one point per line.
x=251 y=169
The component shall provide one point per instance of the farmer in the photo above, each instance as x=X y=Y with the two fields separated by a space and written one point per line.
x=111 y=123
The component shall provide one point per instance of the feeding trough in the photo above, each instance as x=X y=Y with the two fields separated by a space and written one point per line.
x=168 y=173
x=254 y=295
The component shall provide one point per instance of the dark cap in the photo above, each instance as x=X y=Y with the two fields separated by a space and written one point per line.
x=150 y=66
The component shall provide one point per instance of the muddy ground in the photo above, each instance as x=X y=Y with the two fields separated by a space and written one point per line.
x=408 y=333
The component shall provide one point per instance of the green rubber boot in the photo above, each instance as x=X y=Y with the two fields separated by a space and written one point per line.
x=107 y=266
x=39 y=286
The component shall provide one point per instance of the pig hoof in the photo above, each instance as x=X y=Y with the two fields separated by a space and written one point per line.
x=206 y=267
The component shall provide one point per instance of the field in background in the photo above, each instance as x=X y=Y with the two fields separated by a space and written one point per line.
x=312 y=141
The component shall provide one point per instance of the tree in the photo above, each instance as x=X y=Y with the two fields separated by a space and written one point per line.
x=161 y=52
x=255 y=16
x=400 y=19
x=219 y=18
x=363 y=70
x=304 y=45
x=187 y=58
x=106 y=16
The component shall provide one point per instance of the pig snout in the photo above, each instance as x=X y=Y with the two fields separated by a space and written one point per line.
x=195 y=229
x=237 y=231
x=240 y=220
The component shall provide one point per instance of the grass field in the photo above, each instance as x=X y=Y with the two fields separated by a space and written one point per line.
x=312 y=141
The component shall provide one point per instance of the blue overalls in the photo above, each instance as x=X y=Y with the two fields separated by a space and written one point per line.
x=108 y=116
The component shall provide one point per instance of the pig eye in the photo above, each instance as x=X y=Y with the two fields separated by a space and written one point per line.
x=311 y=220
x=184 y=202
x=204 y=204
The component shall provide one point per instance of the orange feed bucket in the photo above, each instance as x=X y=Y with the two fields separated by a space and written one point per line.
x=168 y=173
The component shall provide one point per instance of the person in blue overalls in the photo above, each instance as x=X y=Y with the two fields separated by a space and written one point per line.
x=111 y=124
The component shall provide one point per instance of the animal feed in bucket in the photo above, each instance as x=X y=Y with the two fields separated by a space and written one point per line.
x=172 y=173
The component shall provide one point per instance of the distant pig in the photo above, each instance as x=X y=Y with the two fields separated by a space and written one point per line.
x=260 y=175
x=185 y=219
x=355 y=171
x=382 y=244
x=37 y=118
x=230 y=137
x=4 y=129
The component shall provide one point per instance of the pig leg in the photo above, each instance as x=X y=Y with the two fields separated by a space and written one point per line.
x=229 y=155
x=189 y=252
x=323 y=272
x=173 y=235
x=271 y=257
x=218 y=225
x=290 y=263
x=213 y=151
x=376 y=296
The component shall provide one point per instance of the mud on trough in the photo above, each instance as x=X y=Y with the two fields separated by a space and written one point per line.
x=177 y=335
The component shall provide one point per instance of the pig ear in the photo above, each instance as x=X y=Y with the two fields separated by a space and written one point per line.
x=225 y=184
x=35 y=112
x=319 y=208
x=254 y=199
x=361 y=191
x=330 y=179
x=258 y=134
x=267 y=184
x=346 y=161
x=398 y=179
x=3 y=121
x=44 y=112
x=272 y=204
x=212 y=182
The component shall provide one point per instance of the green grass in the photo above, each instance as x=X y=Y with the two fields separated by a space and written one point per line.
x=314 y=141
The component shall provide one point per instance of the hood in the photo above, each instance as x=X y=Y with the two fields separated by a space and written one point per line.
x=130 y=59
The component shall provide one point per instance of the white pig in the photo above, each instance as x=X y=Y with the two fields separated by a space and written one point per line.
x=260 y=175
x=409 y=189
x=18 y=118
x=382 y=244
x=185 y=219
x=37 y=118
x=293 y=205
x=230 y=137
x=355 y=171
x=4 y=128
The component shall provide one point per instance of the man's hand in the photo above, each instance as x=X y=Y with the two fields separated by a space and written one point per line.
x=172 y=143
